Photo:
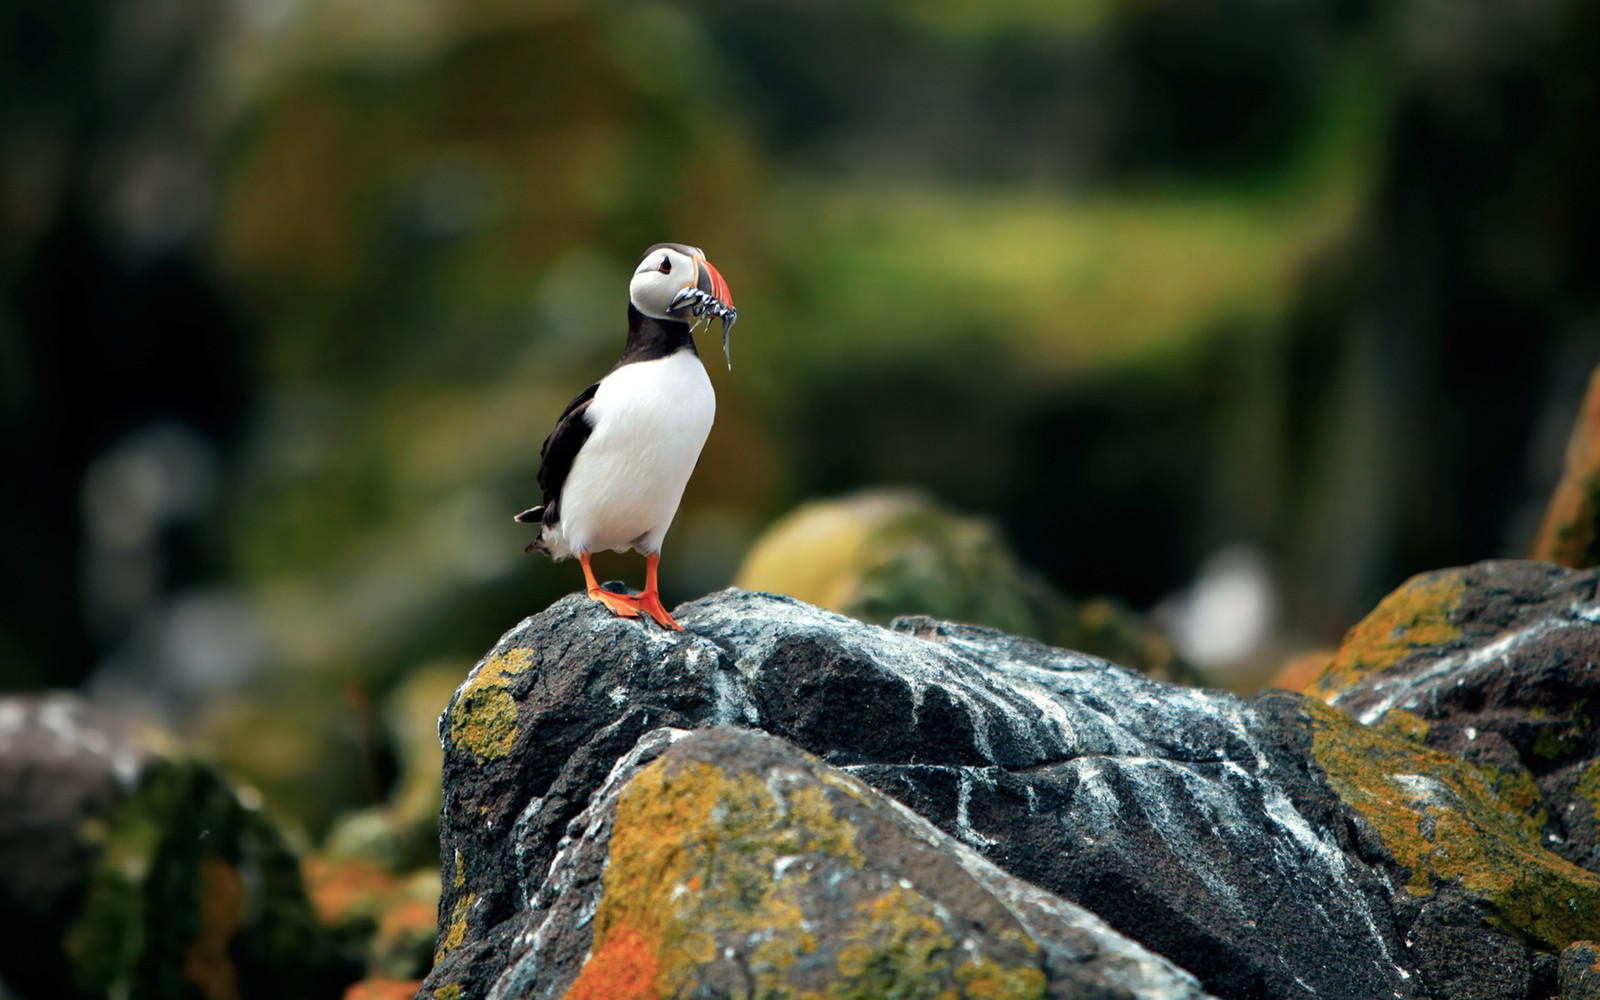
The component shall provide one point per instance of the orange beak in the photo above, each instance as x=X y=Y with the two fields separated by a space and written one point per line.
x=710 y=281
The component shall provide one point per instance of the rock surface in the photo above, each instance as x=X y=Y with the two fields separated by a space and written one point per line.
x=125 y=871
x=1271 y=848
x=735 y=864
x=1481 y=769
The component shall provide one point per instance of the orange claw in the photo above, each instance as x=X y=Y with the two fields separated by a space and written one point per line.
x=618 y=604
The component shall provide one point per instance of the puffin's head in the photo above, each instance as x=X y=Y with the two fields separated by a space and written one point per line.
x=676 y=282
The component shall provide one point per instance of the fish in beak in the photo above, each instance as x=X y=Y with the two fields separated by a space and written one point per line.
x=710 y=296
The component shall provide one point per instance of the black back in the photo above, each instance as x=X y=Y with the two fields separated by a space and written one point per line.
x=560 y=448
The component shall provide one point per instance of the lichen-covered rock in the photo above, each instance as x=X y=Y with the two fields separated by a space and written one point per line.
x=1477 y=764
x=1192 y=822
x=883 y=553
x=1580 y=972
x=129 y=872
x=1497 y=664
x=1570 y=533
x=727 y=862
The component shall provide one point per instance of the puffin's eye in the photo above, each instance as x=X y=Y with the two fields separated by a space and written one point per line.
x=666 y=264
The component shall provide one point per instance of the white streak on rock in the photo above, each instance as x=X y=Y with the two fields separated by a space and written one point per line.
x=1408 y=690
x=964 y=828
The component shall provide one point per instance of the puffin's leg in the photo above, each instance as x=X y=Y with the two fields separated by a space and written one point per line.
x=619 y=604
x=650 y=600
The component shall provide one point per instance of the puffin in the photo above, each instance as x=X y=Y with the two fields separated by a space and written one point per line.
x=614 y=469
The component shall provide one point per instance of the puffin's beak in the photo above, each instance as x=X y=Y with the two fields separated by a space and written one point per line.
x=711 y=294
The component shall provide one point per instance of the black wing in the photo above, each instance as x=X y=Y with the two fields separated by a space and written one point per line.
x=561 y=447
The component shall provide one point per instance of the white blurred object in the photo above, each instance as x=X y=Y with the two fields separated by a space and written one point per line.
x=156 y=477
x=1228 y=614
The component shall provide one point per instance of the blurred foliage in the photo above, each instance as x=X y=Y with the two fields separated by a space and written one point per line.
x=1130 y=280
x=881 y=554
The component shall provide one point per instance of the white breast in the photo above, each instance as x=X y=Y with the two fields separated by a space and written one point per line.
x=650 y=420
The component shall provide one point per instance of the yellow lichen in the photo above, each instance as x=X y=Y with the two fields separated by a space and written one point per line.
x=699 y=857
x=483 y=719
x=1414 y=617
x=1444 y=822
x=1406 y=725
x=716 y=839
x=899 y=943
x=449 y=991
x=458 y=926
x=986 y=979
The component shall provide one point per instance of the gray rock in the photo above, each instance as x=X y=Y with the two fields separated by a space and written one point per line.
x=128 y=871
x=1510 y=680
x=1580 y=972
x=1190 y=821
x=821 y=882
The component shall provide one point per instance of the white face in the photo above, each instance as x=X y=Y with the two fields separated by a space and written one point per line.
x=662 y=274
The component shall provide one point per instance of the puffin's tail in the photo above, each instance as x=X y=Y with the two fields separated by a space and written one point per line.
x=533 y=515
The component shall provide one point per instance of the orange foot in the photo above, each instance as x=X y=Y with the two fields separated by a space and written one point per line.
x=618 y=604
x=650 y=600
x=650 y=603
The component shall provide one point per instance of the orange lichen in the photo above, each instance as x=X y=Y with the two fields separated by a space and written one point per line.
x=1416 y=616
x=624 y=968
x=207 y=965
x=1299 y=670
x=340 y=887
x=406 y=919
x=1570 y=533
x=383 y=989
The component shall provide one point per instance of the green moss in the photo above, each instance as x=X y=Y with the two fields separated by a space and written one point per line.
x=1415 y=616
x=1552 y=743
x=193 y=893
x=1444 y=822
x=1588 y=786
x=483 y=717
x=449 y=991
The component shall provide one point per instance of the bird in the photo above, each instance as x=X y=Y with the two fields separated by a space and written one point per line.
x=614 y=468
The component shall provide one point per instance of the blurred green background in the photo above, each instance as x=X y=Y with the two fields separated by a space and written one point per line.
x=1240 y=308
